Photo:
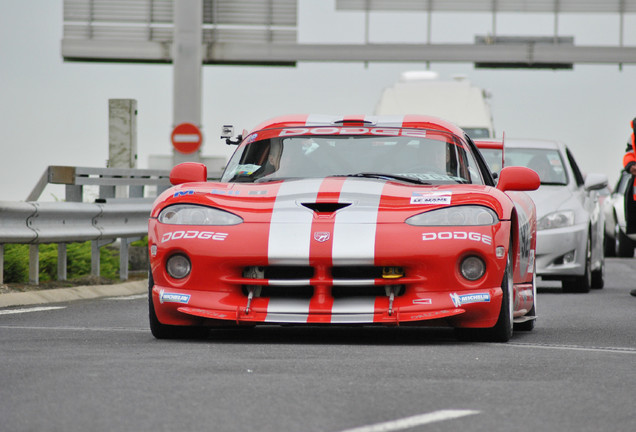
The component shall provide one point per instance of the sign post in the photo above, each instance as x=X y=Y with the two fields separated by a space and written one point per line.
x=187 y=89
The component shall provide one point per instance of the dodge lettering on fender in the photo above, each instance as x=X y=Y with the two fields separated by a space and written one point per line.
x=357 y=220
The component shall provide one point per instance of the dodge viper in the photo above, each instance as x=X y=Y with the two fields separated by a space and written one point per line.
x=355 y=220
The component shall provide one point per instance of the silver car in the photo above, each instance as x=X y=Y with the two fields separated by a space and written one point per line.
x=570 y=223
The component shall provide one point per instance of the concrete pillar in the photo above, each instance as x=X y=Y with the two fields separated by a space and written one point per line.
x=122 y=142
x=187 y=80
x=122 y=133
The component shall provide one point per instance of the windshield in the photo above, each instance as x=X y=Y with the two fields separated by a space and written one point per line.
x=477 y=133
x=492 y=158
x=546 y=162
x=433 y=158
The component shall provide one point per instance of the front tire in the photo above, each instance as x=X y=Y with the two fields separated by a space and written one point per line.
x=165 y=331
x=581 y=284
x=623 y=244
x=502 y=331
x=598 y=276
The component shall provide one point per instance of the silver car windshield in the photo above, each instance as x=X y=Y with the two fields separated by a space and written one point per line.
x=438 y=160
x=546 y=162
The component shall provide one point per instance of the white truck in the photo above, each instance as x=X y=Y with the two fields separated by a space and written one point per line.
x=456 y=100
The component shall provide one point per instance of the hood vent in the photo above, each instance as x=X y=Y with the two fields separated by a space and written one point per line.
x=326 y=207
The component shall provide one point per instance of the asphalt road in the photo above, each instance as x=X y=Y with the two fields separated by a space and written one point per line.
x=92 y=365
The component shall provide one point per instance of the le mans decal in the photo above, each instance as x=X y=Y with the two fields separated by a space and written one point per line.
x=431 y=198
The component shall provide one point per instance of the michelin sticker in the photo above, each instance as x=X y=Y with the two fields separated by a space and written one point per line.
x=173 y=297
x=463 y=299
x=431 y=198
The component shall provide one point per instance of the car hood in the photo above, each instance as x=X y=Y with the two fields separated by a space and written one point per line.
x=548 y=199
x=324 y=197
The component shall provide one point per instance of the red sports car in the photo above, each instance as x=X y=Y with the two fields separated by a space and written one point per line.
x=358 y=220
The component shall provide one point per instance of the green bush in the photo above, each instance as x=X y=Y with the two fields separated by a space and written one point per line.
x=16 y=262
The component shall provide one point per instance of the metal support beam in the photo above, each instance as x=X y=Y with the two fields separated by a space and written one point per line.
x=229 y=52
x=124 y=249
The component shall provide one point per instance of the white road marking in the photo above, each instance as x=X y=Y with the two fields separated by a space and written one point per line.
x=129 y=297
x=624 y=350
x=33 y=309
x=95 y=329
x=417 y=420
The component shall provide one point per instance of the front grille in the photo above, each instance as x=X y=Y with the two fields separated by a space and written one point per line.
x=290 y=292
x=279 y=272
x=358 y=291
x=294 y=282
x=356 y=272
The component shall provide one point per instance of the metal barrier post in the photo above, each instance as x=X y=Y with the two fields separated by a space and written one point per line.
x=123 y=258
x=95 y=258
x=61 y=261
x=34 y=264
x=1 y=263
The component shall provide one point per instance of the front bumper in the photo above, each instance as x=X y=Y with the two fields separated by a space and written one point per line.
x=476 y=308
x=561 y=251
x=324 y=287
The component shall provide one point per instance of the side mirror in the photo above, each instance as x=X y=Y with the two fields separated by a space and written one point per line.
x=515 y=178
x=595 y=181
x=188 y=172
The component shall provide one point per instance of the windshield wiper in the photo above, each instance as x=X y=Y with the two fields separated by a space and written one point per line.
x=383 y=176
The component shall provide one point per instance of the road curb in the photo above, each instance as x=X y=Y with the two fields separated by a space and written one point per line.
x=59 y=295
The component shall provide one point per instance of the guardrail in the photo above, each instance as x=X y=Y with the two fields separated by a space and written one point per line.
x=102 y=222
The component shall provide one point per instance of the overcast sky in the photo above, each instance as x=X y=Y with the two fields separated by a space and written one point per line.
x=56 y=113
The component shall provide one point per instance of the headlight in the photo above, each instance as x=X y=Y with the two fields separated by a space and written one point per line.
x=455 y=216
x=189 y=214
x=558 y=219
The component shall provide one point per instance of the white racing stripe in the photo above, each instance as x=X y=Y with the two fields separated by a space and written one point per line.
x=33 y=309
x=290 y=228
x=354 y=229
x=385 y=121
x=287 y=310
x=352 y=311
x=411 y=422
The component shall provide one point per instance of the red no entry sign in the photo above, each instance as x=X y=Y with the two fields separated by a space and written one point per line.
x=186 y=138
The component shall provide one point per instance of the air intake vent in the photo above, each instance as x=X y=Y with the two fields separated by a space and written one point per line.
x=325 y=207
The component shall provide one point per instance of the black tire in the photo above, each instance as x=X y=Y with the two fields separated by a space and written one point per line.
x=624 y=247
x=598 y=276
x=583 y=283
x=609 y=246
x=502 y=331
x=164 y=331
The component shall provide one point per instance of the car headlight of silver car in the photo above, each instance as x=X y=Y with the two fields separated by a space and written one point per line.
x=190 y=214
x=455 y=216
x=558 y=219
